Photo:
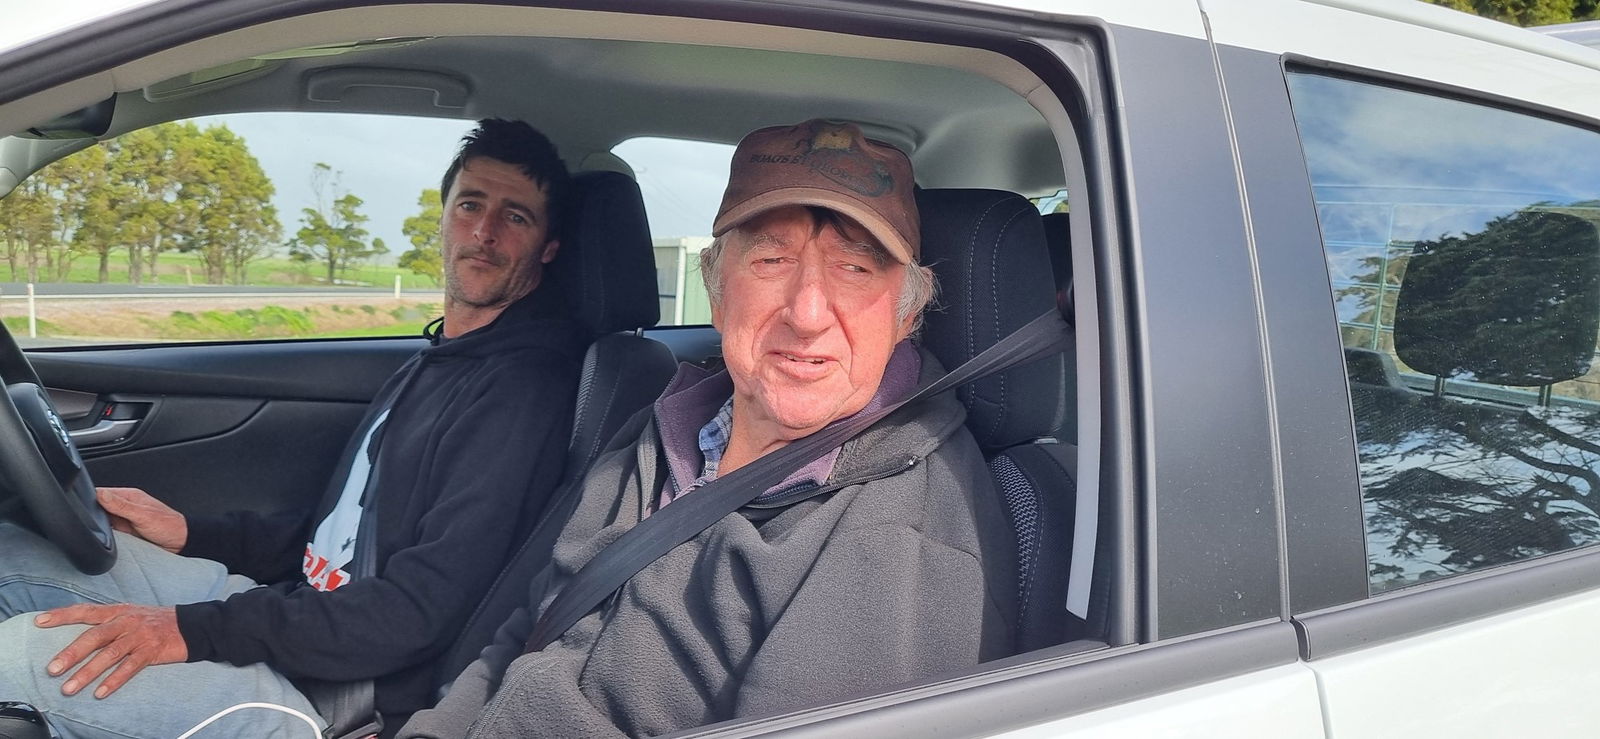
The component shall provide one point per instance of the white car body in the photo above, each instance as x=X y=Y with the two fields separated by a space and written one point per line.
x=1505 y=651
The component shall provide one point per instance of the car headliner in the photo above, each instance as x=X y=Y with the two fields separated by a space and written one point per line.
x=592 y=80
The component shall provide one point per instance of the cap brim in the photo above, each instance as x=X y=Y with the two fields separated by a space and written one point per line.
x=816 y=196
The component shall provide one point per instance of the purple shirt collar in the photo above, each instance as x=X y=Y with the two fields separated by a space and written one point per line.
x=695 y=395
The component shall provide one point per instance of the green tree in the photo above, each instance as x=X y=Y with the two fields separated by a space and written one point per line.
x=226 y=212
x=153 y=164
x=1524 y=12
x=424 y=257
x=27 y=221
x=332 y=232
x=91 y=204
x=48 y=210
x=174 y=184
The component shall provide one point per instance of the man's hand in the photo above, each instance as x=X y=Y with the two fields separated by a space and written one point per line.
x=134 y=511
x=126 y=636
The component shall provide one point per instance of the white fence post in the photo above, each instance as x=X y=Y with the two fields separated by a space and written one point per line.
x=33 y=315
x=397 y=287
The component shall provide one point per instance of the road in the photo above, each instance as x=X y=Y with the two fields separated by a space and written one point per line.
x=90 y=290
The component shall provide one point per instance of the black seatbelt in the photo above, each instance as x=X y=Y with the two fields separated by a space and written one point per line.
x=350 y=707
x=686 y=517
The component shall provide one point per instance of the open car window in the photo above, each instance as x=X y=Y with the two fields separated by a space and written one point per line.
x=228 y=228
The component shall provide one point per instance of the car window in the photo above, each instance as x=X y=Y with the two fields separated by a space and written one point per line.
x=236 y=227
x=1462 y=248
x=682 y=183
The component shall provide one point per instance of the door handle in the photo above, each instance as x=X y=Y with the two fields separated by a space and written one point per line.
x=104 y=432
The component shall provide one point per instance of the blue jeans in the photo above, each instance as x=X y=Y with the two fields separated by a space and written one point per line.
x=162 y=701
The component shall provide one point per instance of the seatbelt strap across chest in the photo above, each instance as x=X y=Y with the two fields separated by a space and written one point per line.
x=675 y=524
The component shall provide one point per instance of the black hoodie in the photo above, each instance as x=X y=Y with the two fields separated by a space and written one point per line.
x=474 y=444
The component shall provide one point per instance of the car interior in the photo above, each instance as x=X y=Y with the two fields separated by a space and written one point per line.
x=213 y=426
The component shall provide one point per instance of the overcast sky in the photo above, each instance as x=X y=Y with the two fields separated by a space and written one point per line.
x=388 y=161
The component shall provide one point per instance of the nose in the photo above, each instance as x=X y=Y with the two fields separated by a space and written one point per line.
x=810 y=309
x=487 y=229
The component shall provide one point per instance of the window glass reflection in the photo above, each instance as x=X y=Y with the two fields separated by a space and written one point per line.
x=1464 y=256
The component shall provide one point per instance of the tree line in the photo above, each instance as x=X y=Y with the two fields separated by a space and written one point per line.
x=172 y=187
x=1528 y=12
x=180 y=188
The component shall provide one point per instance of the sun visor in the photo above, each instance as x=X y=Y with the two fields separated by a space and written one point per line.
x=89 y=122
x=1517 y=303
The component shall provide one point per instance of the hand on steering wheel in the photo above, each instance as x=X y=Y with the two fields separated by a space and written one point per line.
x=136 y=512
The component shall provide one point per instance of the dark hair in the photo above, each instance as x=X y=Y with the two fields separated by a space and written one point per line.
x=518 y=143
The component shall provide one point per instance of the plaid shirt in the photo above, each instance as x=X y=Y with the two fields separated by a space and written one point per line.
x=713 y=444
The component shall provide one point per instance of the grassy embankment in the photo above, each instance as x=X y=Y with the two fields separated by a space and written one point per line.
x=233 y=319
x=182 y=269
x=159 y=321
x=279 y=322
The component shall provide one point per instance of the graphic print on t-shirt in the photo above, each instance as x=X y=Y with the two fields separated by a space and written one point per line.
x=334 y=543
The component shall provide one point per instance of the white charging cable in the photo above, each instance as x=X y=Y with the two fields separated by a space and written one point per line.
x=315 y=732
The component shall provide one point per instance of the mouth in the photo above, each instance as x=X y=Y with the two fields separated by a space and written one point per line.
x=801 y=358
x=480 y=259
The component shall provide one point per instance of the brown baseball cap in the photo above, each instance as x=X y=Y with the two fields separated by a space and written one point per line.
x=828 y=164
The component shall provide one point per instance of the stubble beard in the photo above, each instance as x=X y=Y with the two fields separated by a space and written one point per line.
x=509 y=287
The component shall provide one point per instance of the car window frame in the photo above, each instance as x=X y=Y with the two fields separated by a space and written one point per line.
x=1109 y=384
x=1355 y=620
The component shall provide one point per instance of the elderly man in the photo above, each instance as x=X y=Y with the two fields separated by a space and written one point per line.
x=882 y=561
x=374 y=584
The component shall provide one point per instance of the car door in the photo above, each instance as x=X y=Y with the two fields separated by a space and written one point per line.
x=1437 y=433
x=1174 y=421
x=219 y=427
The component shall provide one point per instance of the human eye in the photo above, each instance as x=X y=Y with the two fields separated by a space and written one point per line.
x=468 y=205
x=518 y=218
x=769 y=265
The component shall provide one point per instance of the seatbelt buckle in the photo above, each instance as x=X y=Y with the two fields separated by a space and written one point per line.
x=19 y=720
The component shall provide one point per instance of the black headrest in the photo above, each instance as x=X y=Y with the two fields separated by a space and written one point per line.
x=1517 y=303
x=606 y=266
x=1058 y=241
x=988 y=249
x=1371 y=367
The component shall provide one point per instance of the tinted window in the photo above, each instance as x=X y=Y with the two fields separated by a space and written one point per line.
x=1465 y=264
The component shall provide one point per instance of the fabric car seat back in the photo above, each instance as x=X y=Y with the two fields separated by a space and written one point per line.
x=987 y=248
x=606 y=268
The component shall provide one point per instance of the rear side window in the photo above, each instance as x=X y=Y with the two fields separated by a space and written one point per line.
x=682 y=183
x=1464 y=257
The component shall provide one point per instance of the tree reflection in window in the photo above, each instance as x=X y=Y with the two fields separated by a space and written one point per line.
x=1463 y=253
x=1455 y=481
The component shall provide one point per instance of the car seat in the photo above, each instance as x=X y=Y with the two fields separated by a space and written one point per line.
x=607 y=271
x=988 y=249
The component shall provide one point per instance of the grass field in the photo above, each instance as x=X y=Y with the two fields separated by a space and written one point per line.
x=228 y=318
x=398 y=329
x=186 y=269
x=19 y=325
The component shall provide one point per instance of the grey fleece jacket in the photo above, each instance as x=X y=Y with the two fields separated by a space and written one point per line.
x=899 y=568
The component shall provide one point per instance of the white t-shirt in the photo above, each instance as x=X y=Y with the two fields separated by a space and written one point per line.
x=334 y=543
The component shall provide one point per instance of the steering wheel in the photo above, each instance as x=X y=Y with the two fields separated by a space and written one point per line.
x=40 y=466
